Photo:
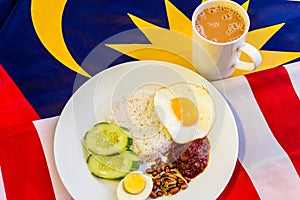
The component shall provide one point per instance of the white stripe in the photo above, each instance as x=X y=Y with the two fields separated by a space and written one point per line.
x=2 y=190
x=294 y=73
x=267 y=164
x=45 y=129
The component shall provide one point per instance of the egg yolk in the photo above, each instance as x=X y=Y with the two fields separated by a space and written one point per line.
x=185 y=110
x=134 y=183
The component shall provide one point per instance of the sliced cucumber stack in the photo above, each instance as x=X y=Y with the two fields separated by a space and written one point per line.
x=107 y=139
x=113 y=167
x=110 y=155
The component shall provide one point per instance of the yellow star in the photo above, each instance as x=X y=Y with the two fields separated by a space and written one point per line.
x=174 y=44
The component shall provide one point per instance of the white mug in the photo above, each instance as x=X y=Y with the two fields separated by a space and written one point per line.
x=215 y=60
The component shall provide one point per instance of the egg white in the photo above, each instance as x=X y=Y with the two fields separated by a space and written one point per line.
x=123 y=195
x=199 y=96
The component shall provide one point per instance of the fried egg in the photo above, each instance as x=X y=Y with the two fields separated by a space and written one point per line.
x=186 y=110
x=135 y=186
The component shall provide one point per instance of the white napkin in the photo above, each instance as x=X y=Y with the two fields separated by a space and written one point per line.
x=2 y=190
x=46 y=129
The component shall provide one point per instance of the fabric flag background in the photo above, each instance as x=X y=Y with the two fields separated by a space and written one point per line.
x=37 y=77
x=47 y=84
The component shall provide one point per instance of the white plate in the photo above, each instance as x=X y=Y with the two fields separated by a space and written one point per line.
x=91 y=102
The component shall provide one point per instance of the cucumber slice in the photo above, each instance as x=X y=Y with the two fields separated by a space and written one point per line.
x=107 y=139
x=113 y=167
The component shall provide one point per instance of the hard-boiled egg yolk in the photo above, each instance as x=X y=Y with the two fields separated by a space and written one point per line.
x=185 y=110
x=134 y=183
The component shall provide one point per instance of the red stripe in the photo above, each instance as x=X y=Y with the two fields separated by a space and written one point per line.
x=280 y=105
x=23 y=165
x=239 y=186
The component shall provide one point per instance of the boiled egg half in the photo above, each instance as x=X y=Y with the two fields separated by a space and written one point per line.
x=186 y=110
x=135 y=186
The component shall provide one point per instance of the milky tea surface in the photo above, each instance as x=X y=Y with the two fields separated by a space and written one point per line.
x=220 y=24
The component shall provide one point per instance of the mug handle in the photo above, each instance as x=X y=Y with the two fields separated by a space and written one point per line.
x=253 y=54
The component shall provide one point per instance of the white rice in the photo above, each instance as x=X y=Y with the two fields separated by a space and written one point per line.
x=150 y=139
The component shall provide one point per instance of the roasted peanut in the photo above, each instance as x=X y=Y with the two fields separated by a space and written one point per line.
x=159 y=193
x=153 y=195
x=170 y=165
x=157 y=183
x=183 y=186
x=154 y=173
x=154 y=188
x=158 y=169
x=149 y=171
x=180 y=180
x=174 y=190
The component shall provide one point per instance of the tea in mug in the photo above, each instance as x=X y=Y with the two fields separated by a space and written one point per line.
x=220 y=24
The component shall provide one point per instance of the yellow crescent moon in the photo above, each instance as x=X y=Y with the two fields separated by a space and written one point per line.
x=47 y=21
